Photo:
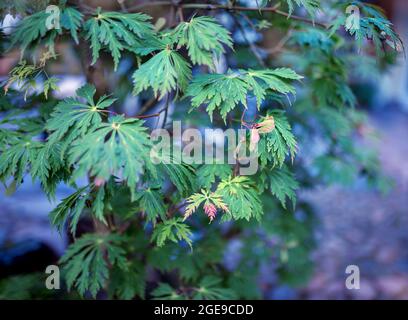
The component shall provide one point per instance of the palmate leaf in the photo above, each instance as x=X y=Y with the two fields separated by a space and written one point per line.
x=126 y=284
x=209 y=288
x=181 y=175
x=116 y=32
x=20 y=155
x=225 y=91
x=174 y=230
x=276 y=145
x=326 y=70
x=373 y=25
x=23 y=74
x=119 y=148
x=211 y=202
x=7 y=138
x=30 y=29
x=260 y=81
x=24 y=287
x=85 y=264
x=330 y=81
x=165 y=72
x=75 y=117
x=33 y=28
x=71 y=19
x=16 y=159
x=208 y=173
x=208 y=253
x=282 y=184
x=165 y=292
x=333 y=91
x=218 y=91
x=72 y=207
x=204 y=39
x=50 y=84
x=242 y=198
x=311 y=6
x=312 y=38
x=48 y=167
x=151 y=203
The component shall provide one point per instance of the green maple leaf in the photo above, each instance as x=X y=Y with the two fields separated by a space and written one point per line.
x=72 y=207
x=276 y=145
x=260 y=81
x=311 y=6
x=32 y=29
x=71 y=19
x=208 y=173
x=165 y=72
x=75 y=117
x=118 y=148
x=50 y=84
x=126 y=284
x=22 y=154
x=241 y=197
x=204 y=39
x=48 y=167
x=117 y=32
x=15 y=160
x=282 y=184
x=172 y=230
x=151 y=203
x=226 y=91
x=181 y=175
x=218 y=91
x=209 y=288
x=85 y=265
x=372 y=25
x=166 y=292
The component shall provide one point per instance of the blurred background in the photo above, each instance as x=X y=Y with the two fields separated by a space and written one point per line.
x=356 y=226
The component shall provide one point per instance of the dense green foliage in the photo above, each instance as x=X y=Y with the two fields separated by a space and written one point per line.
x=151 y=221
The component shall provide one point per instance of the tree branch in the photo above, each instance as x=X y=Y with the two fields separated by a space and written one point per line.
x=251 y=45
x=204 y=6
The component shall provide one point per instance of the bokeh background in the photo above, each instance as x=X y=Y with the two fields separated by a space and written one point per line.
x=355 y=225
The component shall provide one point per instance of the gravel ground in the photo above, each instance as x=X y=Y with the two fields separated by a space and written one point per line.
x=362 y=227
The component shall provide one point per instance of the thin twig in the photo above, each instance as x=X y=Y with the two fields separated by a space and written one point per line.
x=148 y=105
x=252 y=47
x=180 y=14
x=243 y=117
x=171 y=212
x=281 y=44
x=204 y=6
x=157 y=114
x=166 y=110
x=122 y=6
